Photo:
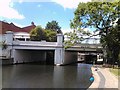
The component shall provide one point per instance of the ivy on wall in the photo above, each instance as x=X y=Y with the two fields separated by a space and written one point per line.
x=3 y=45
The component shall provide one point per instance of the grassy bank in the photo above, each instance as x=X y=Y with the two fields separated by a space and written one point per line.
x=115 y=71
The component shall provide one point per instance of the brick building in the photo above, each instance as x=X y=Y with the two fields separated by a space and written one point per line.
x=19 y=33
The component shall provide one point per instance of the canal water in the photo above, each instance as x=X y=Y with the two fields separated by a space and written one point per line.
x=46 y=76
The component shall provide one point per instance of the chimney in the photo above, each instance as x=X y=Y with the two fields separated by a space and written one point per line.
x=32 y=23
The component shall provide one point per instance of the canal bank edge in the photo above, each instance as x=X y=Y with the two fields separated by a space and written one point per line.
x=108 y=82
x=96 y=81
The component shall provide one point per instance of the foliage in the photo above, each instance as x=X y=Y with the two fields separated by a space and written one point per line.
x=95 y=14
x=37 y=34
x=115 y=71
x=70 y=39
x=112 y=40
x=53 y=25
x=3 y=45
x=49 y=33
x=50 y=36
x=75 y=37
x=102 y=16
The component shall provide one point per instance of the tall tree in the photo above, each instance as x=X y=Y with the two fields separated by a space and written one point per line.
x=37 y=34
x=112 y=39
x=99 y=15
x=53 y=25
x=51 y=36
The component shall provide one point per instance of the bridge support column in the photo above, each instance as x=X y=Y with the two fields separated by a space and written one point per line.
x=9 y=37
x=13 y=53
x=59 y=51
x=59 y=56
x=9 y=42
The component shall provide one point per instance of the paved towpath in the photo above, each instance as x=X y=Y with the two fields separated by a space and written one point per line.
x=104 y=78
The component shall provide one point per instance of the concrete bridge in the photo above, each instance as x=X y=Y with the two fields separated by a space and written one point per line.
x=89 y=53
x=86 y=48
x=29 y=51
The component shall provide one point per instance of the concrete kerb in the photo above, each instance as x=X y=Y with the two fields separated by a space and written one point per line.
x=96 y=81
x=109 y=83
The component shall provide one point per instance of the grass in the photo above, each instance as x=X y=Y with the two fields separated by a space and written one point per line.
x=115 y=71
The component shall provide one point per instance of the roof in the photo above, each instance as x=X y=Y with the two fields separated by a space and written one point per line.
x=4 y=26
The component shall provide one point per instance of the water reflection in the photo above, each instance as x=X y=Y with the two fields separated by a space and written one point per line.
x=46 y=76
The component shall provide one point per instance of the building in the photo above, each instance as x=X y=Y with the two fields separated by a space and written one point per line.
x=19 y=33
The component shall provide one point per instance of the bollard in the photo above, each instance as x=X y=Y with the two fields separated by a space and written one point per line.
x=91 y=78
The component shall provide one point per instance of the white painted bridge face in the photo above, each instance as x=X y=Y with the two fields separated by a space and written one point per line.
x=20 y=48
x=58 y=47
x=35 y=45
x=43 y=45
x=85 y=47
x=60 y=56
x=16 y=46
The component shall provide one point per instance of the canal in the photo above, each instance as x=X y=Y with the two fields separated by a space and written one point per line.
x=46 y=76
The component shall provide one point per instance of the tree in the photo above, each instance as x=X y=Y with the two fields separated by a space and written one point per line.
x=51 y=36
x=98 y=15
x=53 y=25
x=37 y=34
x=112 y=39
x=75 y=37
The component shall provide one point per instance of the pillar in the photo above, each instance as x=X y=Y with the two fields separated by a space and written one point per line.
x=9 y=42
x=59 y=51
x=59 y=56
x=59 y=39
x=9 y=37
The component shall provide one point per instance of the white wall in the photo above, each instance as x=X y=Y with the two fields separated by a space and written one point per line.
x=21 y=35
x=2 y=37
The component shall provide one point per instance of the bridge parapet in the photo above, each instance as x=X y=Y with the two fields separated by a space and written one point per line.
x=35 y=43
x=9 y=41
x=86 y=48
x=88 y=45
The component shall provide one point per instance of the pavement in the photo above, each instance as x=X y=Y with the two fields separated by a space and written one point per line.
x=103 y=78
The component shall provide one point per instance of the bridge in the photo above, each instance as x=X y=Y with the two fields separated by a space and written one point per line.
x=85 y=48
x=29 y=51
x=88 y=53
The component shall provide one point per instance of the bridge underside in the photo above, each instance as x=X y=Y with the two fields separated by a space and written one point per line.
x=87 y=56
x=36 y=56
x=89 y=59
x=48 y=56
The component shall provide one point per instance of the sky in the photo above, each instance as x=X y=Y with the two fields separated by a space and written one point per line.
x=23 y=12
